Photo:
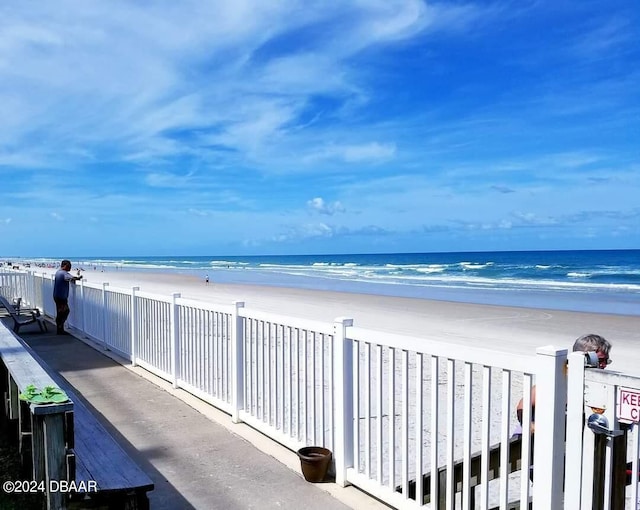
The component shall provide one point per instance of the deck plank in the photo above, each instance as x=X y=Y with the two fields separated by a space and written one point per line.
x=98 y=456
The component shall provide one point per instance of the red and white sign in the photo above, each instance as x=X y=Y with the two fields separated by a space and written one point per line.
x=628 y=405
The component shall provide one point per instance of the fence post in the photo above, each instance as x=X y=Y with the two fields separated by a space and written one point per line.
x=134 y=325
x=53 y=306
x=42 y=293
x=105 y=315
x=551 y=402
x=52 y=277
x=343 y=388
x=32 y=288
x=72 y=300
x=82 y=308
x=175 y=338
x=237 y=362
x=574 y=434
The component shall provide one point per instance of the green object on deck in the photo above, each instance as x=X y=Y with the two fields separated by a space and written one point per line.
x=48 y=395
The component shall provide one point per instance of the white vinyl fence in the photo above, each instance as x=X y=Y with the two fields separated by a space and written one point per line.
x=405 y=417
x=604 y=456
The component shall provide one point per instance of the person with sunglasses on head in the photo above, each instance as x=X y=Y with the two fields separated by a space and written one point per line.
x=586 y=343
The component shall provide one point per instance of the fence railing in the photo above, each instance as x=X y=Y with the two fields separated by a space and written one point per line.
x=401 y=414
x=602 y=458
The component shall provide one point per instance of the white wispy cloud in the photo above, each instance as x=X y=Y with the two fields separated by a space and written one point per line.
x=329 y=208
x=198 y=212
x=167 y=180
x=530 y=218
x=130 y=77
x=372 y=152
x=611 y=34
x=305 y=231
x=323 y=230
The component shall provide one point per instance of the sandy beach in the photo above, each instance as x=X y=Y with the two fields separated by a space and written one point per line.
x=501 y=328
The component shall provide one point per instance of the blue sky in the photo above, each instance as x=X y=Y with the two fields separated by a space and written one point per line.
x=251 y=127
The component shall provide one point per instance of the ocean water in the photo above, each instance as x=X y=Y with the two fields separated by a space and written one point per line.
x=596 y=281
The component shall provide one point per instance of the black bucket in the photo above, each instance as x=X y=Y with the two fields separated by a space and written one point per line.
x=314 y=461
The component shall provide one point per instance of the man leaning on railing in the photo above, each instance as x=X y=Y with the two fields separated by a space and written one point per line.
x=61 y=294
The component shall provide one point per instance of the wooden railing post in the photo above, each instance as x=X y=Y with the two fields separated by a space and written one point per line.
x=551 y=403
x=13 y=404
x=49 y=450
x=134 y=325
x=55 y=458
x=237 y=362
x=343 y=399
x=175 y=339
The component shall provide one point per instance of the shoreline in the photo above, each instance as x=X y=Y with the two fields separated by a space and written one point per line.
x=597 y=281
x=614 y=303
x=514 y=329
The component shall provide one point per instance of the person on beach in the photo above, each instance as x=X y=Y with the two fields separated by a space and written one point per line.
x=206 y=280
x=586 y=343
x=61 y=294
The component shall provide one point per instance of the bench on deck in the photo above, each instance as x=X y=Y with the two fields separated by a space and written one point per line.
x=99 y=458
x=100 y=469
x=621 y=474
x=23 y=316
x=515 y=452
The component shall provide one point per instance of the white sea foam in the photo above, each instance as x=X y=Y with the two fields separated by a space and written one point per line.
x=224 y=263
x=434 y=268
x=474 y=265
x=426 y=276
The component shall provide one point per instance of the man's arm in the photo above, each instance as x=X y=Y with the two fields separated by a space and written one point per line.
x=70 y=278
x=533 y=409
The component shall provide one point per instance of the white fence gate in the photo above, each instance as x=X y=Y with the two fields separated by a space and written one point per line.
x=603 y=438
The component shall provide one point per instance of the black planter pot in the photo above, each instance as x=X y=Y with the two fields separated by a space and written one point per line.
x=314 y=461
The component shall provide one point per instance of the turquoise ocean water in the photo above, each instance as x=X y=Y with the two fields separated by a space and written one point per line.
x=596 y=281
